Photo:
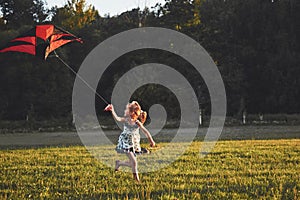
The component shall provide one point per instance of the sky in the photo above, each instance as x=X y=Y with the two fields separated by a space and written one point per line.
x=112 y=7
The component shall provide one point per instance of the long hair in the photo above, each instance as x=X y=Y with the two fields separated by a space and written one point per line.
x=143 y=117
x=136 y=112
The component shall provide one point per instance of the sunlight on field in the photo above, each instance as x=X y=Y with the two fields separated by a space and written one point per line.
x=249 y=169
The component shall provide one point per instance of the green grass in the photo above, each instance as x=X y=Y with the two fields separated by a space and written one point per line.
x=248 y=169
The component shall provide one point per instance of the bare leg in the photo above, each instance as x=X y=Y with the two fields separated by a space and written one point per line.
x=122 y=163
x=133 y=162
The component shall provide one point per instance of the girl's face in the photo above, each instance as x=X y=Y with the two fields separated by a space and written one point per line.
x=132 y=111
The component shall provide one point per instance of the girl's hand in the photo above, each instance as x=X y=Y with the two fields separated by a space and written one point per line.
x=108 y=108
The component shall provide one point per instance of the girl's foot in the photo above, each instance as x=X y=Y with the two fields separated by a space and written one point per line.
x=117 y=166
x=136 y=177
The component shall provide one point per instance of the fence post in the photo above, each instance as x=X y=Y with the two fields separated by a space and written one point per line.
x=244 y=117
x=200 y=117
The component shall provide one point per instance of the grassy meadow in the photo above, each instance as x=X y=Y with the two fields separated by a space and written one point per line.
x=246 y=169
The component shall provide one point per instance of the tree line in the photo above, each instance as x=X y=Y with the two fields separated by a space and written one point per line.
x=254 y=43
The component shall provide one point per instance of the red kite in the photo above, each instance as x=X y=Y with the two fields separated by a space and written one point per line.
x=41 y=41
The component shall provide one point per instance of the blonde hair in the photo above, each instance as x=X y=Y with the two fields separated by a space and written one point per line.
x=136 y=112
x=143 y=117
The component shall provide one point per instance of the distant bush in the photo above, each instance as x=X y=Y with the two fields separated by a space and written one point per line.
x=65 y=124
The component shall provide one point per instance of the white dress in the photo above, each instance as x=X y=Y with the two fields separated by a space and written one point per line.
x=129 y=139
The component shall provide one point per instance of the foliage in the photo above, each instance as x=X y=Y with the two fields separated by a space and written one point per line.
x=19 y=12
x=254 y=43
x=75 y=15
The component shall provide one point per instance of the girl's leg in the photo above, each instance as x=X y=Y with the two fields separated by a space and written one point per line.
x=122 y=163
x=133 y=162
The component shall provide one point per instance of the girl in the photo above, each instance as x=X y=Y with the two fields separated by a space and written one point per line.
x=129 y=140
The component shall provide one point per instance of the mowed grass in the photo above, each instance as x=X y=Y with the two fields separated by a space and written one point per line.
x=248 y=169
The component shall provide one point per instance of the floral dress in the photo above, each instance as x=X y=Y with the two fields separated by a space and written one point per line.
x=129 y=139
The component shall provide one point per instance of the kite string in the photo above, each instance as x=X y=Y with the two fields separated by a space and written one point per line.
x=86 y=83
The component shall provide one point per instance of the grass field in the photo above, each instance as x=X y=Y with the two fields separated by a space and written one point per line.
x=247 y=169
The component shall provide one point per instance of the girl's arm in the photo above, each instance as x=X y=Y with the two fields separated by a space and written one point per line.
x=114 y=114
x=146 y=132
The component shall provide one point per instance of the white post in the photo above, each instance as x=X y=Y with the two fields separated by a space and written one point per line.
x=261 y=117
x=200 y=117
x=73 y=119
x=244 y=117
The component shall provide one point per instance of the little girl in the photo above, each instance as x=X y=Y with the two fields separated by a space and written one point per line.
x=129 y=140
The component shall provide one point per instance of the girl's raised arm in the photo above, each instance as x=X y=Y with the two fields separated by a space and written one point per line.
x=110 y=107
x=146 y=132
